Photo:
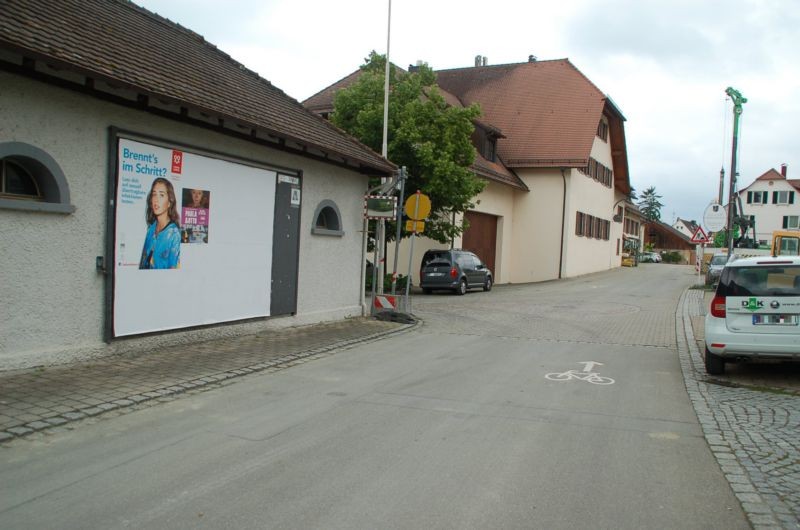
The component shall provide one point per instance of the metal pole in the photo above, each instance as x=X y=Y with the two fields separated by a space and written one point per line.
x=413 y=236
x=738 y=101
x=381 y=230
x=399 y=227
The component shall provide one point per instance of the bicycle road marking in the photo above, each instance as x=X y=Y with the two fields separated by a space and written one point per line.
x=586 y=375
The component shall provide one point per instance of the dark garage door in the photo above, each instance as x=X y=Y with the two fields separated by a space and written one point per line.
x=481 y=237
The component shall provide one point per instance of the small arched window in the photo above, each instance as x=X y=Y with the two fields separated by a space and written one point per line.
x=30 y=179
x=327 y=220
x=16 y=182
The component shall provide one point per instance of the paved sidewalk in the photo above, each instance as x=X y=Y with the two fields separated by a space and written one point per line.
x=752 y=432
x=52 y=397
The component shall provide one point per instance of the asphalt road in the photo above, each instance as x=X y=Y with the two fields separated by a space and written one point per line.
x=454 y=425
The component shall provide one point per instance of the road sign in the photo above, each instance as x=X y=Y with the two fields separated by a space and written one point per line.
x=715 y=217
x=415 y=226
x=699 y=236
x=418 y=206
x=385 y=302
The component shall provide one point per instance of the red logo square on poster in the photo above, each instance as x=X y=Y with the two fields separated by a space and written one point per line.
x=177 y=161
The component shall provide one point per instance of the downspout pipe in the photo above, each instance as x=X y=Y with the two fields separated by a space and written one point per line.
x=563 y=223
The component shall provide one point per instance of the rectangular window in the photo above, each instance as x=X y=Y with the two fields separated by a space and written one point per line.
x=602 y=130
x=579 y=224
x=782 y=197
x=791 y=221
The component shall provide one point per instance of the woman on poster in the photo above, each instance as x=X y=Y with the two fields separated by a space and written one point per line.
x=162 y=244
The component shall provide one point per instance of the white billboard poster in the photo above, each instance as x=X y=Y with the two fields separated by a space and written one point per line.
x=193 y=239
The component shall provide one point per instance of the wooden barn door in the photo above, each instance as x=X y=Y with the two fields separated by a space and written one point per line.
x=481 y=237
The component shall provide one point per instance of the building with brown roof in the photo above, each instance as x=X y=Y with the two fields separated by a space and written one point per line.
x=563 y=141
x=128 y=143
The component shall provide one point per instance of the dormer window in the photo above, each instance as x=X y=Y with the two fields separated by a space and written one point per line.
x=602 y=130
x=490 y=148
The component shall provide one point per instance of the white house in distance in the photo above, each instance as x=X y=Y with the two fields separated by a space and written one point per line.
x=104 y=104
x=771 y=202
x=552 y=149
x=687 y=228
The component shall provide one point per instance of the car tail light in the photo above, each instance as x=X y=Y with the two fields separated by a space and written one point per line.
x=454 y=273
x=718 y=307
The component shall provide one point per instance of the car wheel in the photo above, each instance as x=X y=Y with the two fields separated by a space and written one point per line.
x=462 y=287
x=488 y=285
x=715 y=365
x=426 y=290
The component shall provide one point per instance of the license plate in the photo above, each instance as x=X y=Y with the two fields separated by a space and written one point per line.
x=775 y=320
x=435 y=274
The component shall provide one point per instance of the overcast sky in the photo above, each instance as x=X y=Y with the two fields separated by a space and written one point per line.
x=666 y=64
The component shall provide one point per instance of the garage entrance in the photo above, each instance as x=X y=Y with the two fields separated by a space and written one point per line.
x=481 y=237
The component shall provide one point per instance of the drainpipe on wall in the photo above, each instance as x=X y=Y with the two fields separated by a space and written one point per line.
x=563 y=215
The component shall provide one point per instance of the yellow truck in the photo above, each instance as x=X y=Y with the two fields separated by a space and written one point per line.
x=786 y=243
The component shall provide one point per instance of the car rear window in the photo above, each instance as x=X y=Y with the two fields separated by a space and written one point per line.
x=760 y=281
x=442 y=258
x=719 y=260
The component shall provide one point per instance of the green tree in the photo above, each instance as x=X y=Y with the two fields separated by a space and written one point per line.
x=426 y=135
x=721 y=237
x=650 y=205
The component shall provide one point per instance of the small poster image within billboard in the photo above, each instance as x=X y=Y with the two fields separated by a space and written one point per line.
x=196 y=205
x=380 y=207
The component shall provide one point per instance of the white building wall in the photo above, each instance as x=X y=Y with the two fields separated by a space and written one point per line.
x=769 y=217
x=584 y=254
x=536 y=234
x=52 y=299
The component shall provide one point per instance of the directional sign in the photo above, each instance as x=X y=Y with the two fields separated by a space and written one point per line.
x=415 y=226
x=699 y=236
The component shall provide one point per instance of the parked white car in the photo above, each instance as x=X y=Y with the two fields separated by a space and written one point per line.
x=755 y=312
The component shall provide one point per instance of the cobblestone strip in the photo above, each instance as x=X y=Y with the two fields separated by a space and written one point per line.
x=753 y=435
x=174 y=389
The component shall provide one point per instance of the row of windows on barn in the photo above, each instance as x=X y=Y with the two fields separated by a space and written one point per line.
x=598 y=172
x=590 y=226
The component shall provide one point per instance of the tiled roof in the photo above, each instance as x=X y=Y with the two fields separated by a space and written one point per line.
x=118 y=42
x=670 y=230
x=322 y=102
x=548 y=110
x=773 y=174
x=497 y=172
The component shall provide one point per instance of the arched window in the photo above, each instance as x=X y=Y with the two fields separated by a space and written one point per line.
x=16 y=182
x=327 y=220
x=30 y=179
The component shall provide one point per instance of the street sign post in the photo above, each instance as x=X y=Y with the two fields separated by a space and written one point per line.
x=417 y=208
x=700 y=236
x=701 y=239
x=715 y=217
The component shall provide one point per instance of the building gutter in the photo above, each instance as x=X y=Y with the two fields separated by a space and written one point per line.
x=563 y=215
